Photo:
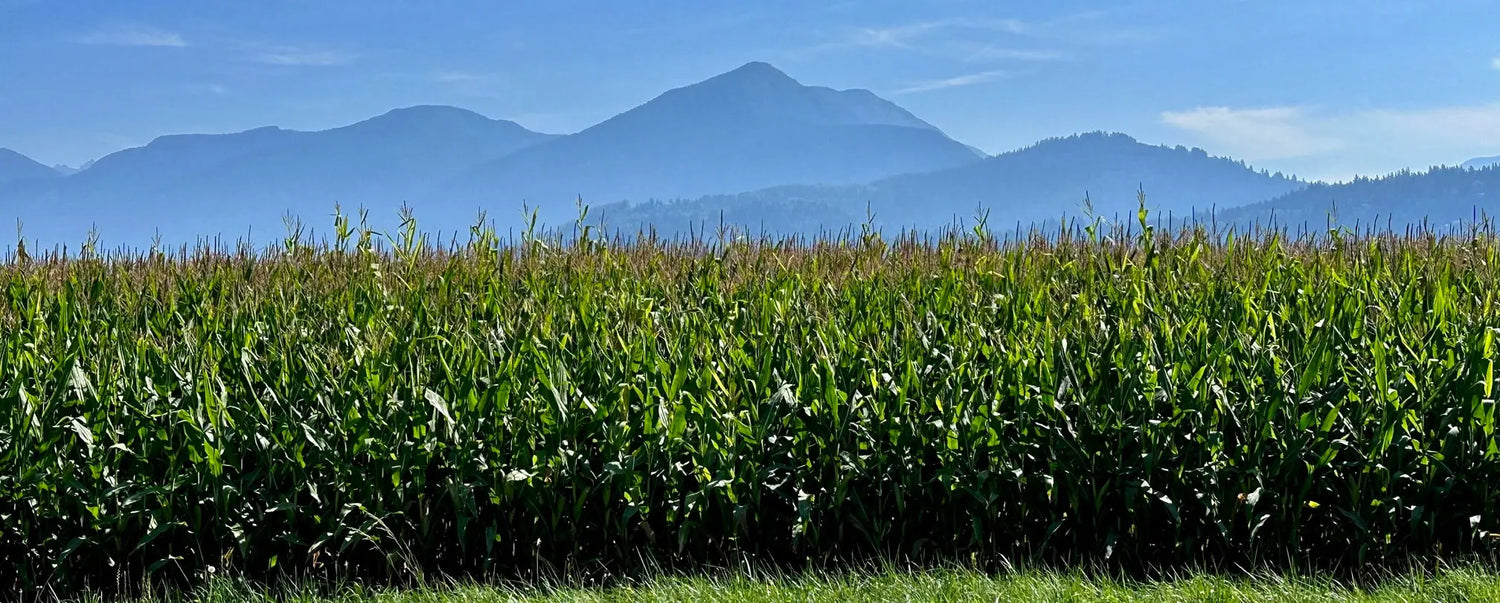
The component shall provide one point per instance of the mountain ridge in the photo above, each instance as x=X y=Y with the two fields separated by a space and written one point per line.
x=15 y=167
x=233 y=183
x=1033 y=184
x=751 y=127
x=1441 y=196
x=752 y=142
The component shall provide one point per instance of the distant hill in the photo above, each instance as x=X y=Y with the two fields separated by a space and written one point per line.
x=752 y=145
x=68 y=170
x=750 y=128
x=1481 y=162
x=378 y=162
x=1442 y=196
x=1030 y=185
x=230 y=184
x=15 y=167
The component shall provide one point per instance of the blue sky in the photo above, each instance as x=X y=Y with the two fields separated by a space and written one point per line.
x=1319 y=89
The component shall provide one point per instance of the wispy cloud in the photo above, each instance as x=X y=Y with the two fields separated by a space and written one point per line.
x=1254 y=134
x=893 y=37
x=989 y=53
x=921 y=36
x=130 y=35
x=1337 y=144
x=1495 y=63
x=1099 y=28
x=198 y=88
x=304 y=57
x=457 y=77
x=989 y=40
x=954 y=82
x=901 y=36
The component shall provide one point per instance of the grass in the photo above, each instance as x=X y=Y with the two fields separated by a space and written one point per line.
x=1469 y=583
x=1094 y=396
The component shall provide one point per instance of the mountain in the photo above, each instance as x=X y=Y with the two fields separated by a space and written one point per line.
x=381 y=161
x=230 y=184
x=750 y=128
x=1026 y=186
x=1441 y=197
x=811 y=157
x=1481 y=162
x=68 y=170
x=15 y=167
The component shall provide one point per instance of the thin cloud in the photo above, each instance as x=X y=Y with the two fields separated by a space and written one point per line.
x=901 y=36
x=212 y=88
x=302 y=57
x=1098 y=28
x=979 y=40
x=1495 y=63
x=893 y=37
x=1254 y=134
x=1336 y=145
x=1478 y=126
x=954 y=82
x=457 y=77
x=131 y=35
x=910 y=36
x=988 y=53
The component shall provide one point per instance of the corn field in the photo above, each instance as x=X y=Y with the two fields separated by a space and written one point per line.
x=393 y=407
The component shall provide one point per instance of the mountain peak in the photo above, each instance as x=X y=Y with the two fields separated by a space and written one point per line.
x=431 y=111
x=757 y=70
x=744 y=129
x=421 y=117
x=755 y=77
x=437 y=120
x=756 y=96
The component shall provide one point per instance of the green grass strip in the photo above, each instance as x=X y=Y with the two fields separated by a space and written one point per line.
x=1451 y=585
